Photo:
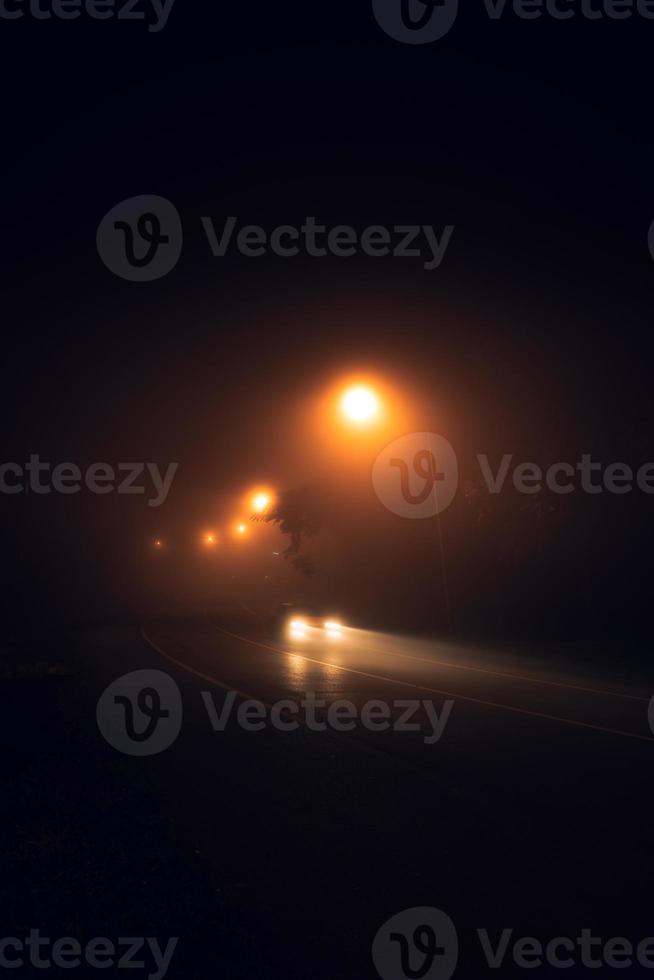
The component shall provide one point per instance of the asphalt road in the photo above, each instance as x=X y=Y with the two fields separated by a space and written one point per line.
x=522 y=801
x=361 y=665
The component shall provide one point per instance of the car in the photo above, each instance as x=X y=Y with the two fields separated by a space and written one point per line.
x=297 y=621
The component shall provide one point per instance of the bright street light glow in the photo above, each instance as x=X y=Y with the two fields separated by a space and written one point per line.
x=360 y=404
x=209 y=539
x=260 y=502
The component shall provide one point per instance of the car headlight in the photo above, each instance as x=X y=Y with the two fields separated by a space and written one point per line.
x=332 y=626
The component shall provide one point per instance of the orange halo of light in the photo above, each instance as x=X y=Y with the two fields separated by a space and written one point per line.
x=360 y=404
x=357 y=409
x=259 y=499
x=326 y=439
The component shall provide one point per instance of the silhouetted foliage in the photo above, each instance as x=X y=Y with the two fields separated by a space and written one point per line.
x=300 y=514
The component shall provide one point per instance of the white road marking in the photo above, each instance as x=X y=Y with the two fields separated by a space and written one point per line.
x=433 y=690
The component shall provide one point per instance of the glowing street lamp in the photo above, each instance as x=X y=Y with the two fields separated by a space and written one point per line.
x=261 y=501
x=360 y=404
x=209 y=539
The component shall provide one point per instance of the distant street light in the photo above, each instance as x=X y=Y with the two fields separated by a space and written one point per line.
x=209 y=539
x=260 y=501
x=360 y=404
